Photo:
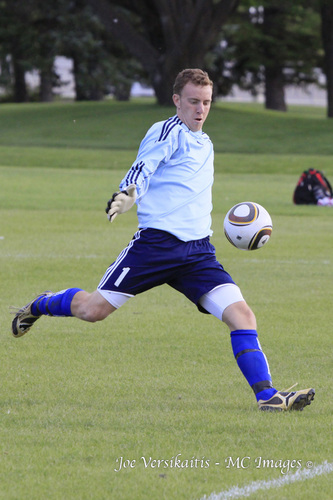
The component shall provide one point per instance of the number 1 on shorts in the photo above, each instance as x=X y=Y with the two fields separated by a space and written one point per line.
x=122 y=276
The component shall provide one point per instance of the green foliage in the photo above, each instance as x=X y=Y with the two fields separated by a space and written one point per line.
x=34 y=33
x=157 y=378
x=268 y=33
x=99 y=66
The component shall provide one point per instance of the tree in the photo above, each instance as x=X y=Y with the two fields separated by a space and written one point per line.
x=274 y=18
x=32 y=34
x=275 y=43
x=101 y=64
x=16 y=41
x=82 y=41
x=28 y=38
x=326 y=11
x=165 y=35
x=45 y=23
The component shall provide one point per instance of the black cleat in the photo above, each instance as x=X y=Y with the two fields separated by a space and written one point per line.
x=287 y=401
x=24 y=319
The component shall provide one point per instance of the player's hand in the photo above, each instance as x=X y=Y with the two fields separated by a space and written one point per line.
x=121 y=202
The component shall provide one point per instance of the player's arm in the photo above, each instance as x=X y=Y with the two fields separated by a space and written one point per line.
x=121 y=202
x=152 y=152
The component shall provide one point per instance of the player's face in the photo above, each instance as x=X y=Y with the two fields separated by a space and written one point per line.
x=193 y=105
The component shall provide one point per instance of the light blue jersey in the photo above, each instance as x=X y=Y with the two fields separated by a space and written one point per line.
x=173 y=173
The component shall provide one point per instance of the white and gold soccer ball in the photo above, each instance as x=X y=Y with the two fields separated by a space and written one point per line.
x=248 y=226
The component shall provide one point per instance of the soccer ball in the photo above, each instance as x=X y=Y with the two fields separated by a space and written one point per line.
x=248 y=226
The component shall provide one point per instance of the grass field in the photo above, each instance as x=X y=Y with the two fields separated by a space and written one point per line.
x=157 y=380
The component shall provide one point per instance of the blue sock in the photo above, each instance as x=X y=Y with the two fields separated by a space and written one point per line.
x=252 y=362
x=57 y=304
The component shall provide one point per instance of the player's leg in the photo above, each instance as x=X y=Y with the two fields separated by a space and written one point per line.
x=123 y=279
x=70 y=302
x=73 y=302
x=91 y=306
x=247 y=350
x=227 y=303
x=209 y=286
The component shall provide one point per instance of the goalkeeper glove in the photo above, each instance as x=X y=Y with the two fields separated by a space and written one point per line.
x=121 y=202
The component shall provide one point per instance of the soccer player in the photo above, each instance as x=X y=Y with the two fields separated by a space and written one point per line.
x=171 y=182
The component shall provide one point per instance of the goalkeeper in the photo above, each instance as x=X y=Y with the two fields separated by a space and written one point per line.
x=171 y=182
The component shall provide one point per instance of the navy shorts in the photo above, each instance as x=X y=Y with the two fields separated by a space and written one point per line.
x=155 y=257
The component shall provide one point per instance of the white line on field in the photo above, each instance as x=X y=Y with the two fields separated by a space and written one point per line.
x=246 y=491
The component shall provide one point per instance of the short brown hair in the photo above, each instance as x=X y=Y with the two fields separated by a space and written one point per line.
x=195 y=76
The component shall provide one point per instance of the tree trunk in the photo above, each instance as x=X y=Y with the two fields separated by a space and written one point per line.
x=80 y=94
x=274 y=79
x=88 y=86
x=166 y=71
x=20 y=86
x=122 y=91
x=274 y=89
x=46 y=85
x=162 y=84
x=327 y=36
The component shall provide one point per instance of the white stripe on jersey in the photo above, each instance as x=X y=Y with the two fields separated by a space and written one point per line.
x=119 y=259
